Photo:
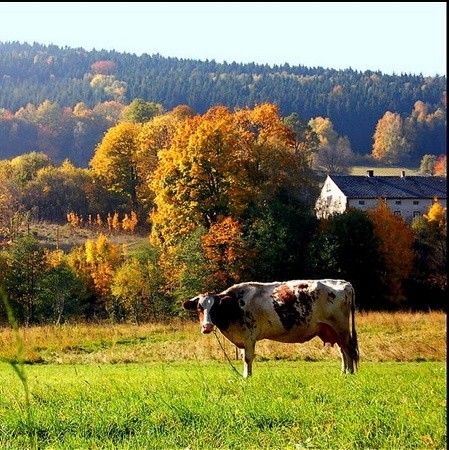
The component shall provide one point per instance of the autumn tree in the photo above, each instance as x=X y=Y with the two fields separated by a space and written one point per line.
x=334 y=153
x=61 y=292
x=104 y=67
x=396 y=247
x=110 y=86
x=57 y=190
x=114 y=163
x=390 y=143
x=95 y=263
x=12 y=211
x=25 y=167
x=441 y=165
x=130 y=288
x=155 y=136
x=427 y=164
x=219 y=164
x=225 y=249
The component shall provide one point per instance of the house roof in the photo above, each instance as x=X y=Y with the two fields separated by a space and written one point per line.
x=356 y=186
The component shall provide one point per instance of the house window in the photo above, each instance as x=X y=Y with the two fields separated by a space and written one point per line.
x=416 y=202
x=398 y=202
x=361 y=202
x=397 y=213
x=416 y=213
x=328 y=187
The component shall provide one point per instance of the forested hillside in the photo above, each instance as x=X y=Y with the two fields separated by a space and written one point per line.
x=61 y=101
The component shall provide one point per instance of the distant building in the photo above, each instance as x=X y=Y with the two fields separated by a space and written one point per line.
x=407 y=196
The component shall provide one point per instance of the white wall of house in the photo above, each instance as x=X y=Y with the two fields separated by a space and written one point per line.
x=331 y=200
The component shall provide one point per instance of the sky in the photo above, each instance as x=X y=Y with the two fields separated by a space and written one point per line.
x=391 y=37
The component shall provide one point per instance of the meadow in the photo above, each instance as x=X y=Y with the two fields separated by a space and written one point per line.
x=166 y=386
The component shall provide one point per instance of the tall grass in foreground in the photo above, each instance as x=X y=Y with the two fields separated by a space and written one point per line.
x=203 y=405
x=17 y=363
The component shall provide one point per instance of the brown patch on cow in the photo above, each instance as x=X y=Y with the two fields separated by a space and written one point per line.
x=327 y=334
x=293 y=308
x=303 y=286
x=284 y=294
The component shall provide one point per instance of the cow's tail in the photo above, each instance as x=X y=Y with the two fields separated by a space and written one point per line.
x=354 y=346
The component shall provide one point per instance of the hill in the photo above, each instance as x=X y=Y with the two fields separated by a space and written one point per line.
x=86 y=86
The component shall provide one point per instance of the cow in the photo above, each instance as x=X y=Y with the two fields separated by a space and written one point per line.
x=291 y=311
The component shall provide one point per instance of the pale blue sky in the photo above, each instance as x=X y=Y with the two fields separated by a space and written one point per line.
x=393 y=37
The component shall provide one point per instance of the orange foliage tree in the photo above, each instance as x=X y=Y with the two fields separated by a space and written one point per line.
x=396 y=247
x=225 y=249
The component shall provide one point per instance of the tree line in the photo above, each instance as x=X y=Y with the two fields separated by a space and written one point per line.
x=227 y=196
x=61 y=100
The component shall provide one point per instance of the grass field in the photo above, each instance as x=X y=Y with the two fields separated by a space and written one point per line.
x=395 y=171
x=166 y=386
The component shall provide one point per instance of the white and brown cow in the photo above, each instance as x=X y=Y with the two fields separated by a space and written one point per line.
x=291 y=311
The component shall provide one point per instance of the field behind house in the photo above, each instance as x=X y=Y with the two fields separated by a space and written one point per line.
x=385 y=171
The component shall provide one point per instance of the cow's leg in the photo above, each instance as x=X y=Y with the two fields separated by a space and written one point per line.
x=248 y=357
x=347 y=362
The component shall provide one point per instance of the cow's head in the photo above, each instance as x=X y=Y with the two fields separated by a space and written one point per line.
x=202 y=304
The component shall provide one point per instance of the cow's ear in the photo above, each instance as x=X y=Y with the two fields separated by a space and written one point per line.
x=190 y=305
x=226 y=299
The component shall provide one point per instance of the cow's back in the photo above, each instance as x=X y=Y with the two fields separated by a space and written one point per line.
x=290 y=311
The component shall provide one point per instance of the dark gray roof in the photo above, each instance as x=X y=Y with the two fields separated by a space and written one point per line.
x=356 y=186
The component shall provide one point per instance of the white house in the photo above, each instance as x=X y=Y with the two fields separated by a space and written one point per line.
x=407 y=196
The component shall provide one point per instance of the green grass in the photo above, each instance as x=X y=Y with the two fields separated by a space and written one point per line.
x=205 y=405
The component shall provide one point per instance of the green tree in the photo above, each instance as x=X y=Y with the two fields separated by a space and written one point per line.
x=346 y=246
x=26 y=267
x=57 y=190
x=140 y=111
x=427 y=286
x=61 y=294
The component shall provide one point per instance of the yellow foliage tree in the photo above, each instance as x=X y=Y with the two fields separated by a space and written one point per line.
x=436 y=214
x=101 y=259
x=390 y=144
x=217 y=165
x=155 y=136
x=114 y=162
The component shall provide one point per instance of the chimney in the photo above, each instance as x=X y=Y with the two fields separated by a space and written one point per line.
x=370 y=173
x=402 y=173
